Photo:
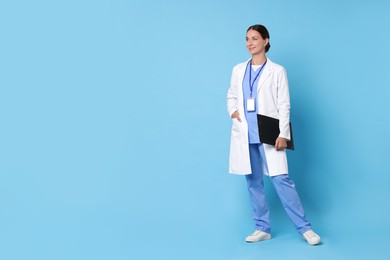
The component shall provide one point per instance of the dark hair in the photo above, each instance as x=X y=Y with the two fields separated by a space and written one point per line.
x=263 y=32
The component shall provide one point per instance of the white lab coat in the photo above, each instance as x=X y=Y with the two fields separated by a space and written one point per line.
x=273 y=100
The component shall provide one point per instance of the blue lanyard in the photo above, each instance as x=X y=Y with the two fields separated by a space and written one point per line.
x=250 y=75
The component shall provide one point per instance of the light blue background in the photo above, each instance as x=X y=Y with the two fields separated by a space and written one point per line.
x=114 y=136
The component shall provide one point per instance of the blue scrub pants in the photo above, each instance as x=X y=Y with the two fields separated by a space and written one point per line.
x=284 y=187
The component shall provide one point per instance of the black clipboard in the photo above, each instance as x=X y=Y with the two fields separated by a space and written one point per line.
x=269 y=131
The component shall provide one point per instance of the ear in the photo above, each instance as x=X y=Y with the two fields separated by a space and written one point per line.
x=266 y=41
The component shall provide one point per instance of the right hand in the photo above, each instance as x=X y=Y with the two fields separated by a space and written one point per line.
x=236 y=115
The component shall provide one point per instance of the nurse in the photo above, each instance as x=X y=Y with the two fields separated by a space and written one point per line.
x=259 y=86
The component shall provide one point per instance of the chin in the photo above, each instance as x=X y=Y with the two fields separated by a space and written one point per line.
x=253 y=52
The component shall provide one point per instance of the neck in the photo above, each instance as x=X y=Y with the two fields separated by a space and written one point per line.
x=258 y=59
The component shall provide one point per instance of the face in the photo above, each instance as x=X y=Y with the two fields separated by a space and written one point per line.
x=255 y=43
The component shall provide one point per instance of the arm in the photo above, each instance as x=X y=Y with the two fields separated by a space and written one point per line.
x=232 y=104
x=283 y=105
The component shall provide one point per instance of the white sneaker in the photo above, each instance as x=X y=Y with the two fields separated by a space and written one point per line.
x=257 y=236
x=311 y=237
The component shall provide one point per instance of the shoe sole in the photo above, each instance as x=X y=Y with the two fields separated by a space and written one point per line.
x=262 y=239
x=312 y=243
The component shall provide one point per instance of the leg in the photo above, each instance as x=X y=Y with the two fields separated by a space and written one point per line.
x=288 y=195
x=260 y=211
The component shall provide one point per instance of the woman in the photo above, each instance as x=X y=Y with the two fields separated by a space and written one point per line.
x=259 y=86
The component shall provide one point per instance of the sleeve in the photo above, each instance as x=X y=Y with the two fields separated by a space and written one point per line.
x=231 y=98
x=283 y=105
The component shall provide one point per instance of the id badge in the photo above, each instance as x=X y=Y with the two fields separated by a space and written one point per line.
x=250 y=104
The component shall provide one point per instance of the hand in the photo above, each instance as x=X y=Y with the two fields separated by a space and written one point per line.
x=280 y=143
x=236 y=115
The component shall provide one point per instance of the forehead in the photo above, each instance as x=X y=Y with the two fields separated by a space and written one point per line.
x=252 y=33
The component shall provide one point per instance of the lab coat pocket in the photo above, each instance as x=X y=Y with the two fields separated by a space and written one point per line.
x=269 y=84
x=236 y=128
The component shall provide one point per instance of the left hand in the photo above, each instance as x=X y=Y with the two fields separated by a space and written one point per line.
x=280 y=143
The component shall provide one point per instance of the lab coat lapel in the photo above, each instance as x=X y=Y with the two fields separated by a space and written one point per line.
x=242 y=74
x=264 y=75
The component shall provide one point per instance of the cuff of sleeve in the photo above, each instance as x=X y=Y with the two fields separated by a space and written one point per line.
x=231 y=111
x=287 y=137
